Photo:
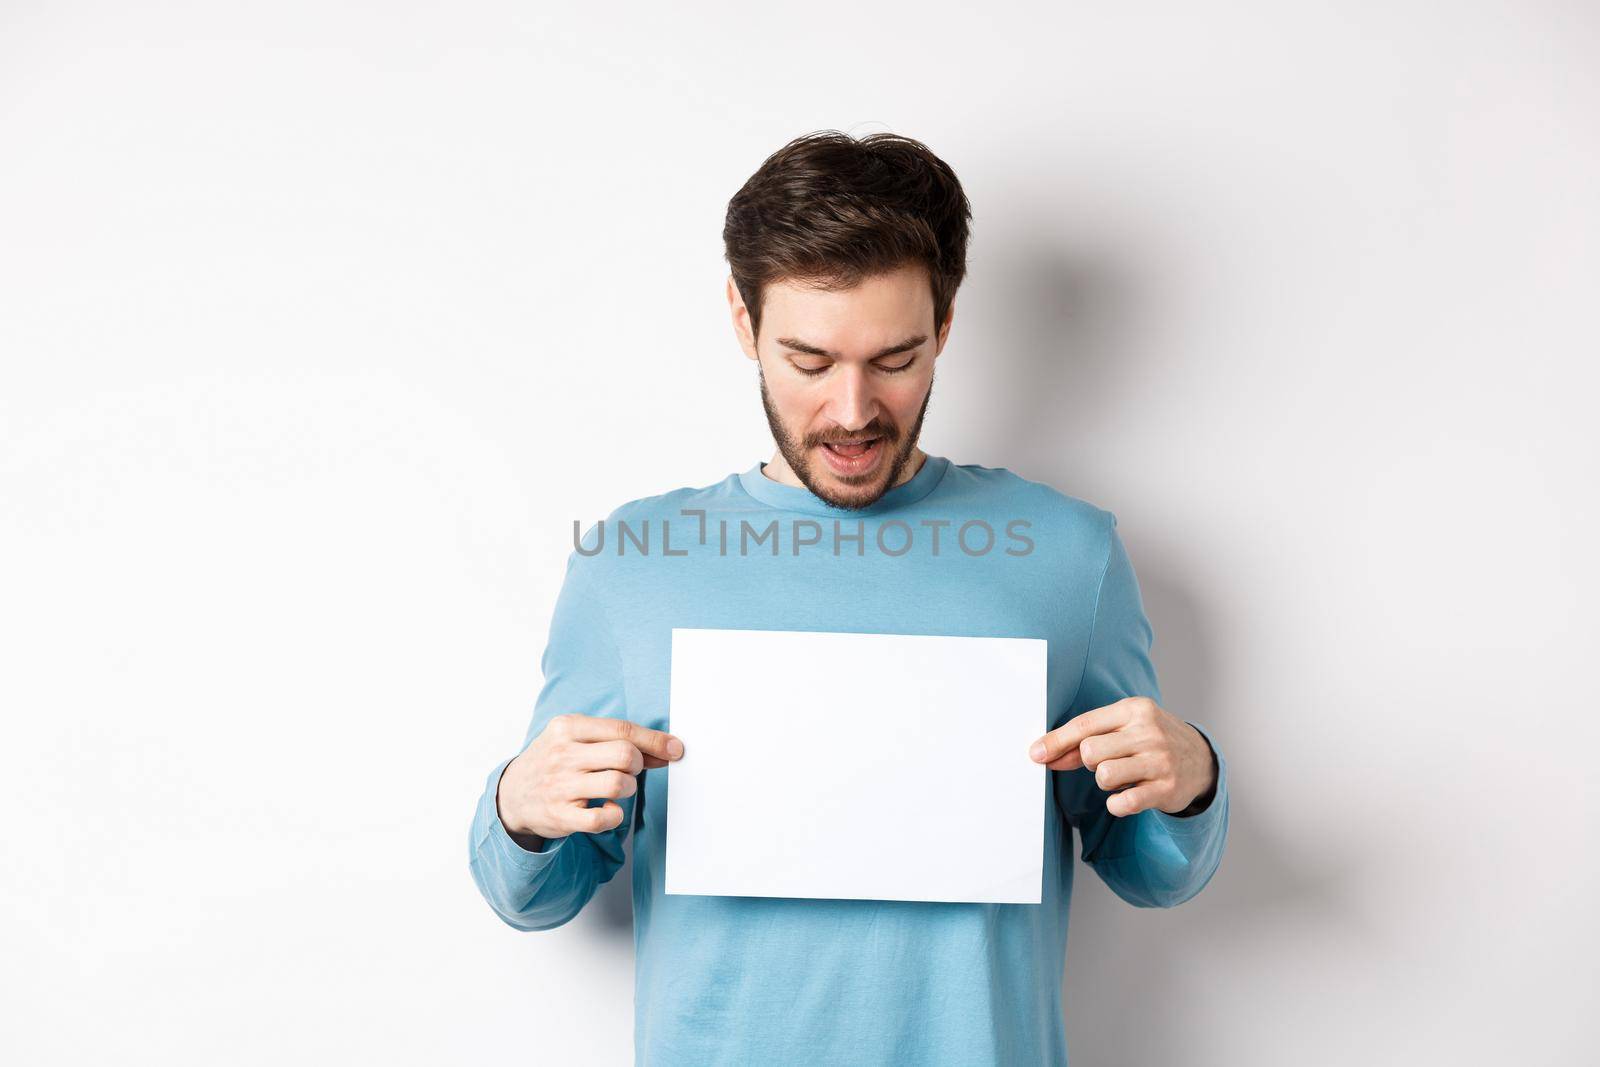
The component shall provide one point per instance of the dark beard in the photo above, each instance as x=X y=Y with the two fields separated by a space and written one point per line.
x=797 y=453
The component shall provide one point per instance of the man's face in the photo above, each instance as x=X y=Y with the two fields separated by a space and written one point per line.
x=846 y=377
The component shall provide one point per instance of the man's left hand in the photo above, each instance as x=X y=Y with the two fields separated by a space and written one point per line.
x=1154 y=758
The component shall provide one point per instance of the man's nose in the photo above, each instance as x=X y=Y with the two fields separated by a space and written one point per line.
x=853 y=404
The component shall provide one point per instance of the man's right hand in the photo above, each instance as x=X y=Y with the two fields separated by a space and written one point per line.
x=544 y=792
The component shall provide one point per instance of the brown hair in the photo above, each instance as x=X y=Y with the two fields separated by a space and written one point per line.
x=831 y=210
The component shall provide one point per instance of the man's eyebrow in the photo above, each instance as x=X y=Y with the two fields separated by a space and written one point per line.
x=812 y=350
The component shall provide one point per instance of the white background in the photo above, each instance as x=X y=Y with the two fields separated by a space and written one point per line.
x=322 y=323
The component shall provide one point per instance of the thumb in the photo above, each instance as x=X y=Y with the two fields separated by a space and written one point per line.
x=663 y=747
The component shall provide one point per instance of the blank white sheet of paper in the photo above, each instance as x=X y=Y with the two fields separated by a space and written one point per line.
x=857 y=766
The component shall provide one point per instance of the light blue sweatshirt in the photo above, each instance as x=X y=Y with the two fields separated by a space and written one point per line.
x=776 y=980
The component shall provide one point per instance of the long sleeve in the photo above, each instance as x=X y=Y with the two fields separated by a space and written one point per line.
x=583 y=673
x=1150 y=859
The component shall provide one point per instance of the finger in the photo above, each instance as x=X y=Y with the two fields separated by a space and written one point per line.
x=1070 y=762
x=595 y=820
x=1116 y=773
x=1072 y=759
x=1131 y=801
x=606 y=785
x=1114 y=745
x=1066 y=737
x=605 y=728
x=608 y=755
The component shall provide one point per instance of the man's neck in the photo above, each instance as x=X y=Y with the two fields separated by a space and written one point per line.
x=778 y=469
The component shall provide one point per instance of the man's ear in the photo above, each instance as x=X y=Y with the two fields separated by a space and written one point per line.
x=944 y=331
x=741 y=319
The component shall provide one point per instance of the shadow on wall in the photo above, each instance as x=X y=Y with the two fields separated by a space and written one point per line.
x=1075 y=366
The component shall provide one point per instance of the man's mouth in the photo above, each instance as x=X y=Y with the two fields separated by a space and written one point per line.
x=854 y=456
x=851 y=448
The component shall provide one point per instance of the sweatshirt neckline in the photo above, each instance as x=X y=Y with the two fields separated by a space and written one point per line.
x=798 y=498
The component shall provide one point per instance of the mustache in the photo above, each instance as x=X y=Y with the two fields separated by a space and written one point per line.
x=888 y=435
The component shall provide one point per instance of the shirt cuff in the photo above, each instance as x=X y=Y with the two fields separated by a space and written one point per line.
x=497 y=840
x=1201 y=822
